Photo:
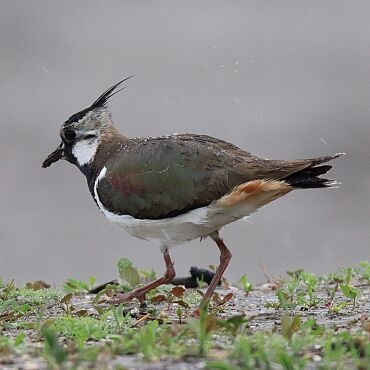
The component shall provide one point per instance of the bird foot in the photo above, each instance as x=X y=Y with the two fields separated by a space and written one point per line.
x=126 y=297
x=140 y=292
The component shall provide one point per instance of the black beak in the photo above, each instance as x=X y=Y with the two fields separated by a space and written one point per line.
x=57 y=154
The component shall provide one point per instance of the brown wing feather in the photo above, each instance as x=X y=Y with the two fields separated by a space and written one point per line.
x=165 y=176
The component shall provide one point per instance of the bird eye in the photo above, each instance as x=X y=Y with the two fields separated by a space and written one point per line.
x=70 y=135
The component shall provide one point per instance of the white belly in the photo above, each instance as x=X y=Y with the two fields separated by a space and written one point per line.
x=241 y=202
x=192 y=225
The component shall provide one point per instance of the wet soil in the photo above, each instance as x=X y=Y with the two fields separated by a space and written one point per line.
x=253 y=306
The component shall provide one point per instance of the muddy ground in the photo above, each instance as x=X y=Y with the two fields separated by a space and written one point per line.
x=253 y=306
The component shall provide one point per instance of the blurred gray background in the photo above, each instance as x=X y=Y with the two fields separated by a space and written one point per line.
x=282 y=79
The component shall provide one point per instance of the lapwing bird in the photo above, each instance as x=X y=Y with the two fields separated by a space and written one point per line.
x=176 y=188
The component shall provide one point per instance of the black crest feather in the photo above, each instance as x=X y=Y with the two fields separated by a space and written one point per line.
x=107 y=94
x=98 y=103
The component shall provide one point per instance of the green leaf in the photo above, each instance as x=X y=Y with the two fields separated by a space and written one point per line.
x=247 y=286
x=52 y=347
x=290 y=326
x=349 y=291
x=128 y=273
x=19 y=339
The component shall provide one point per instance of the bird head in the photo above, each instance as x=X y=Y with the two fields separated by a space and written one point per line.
x=83 y=132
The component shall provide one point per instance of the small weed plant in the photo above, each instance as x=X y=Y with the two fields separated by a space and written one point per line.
x=70 y=330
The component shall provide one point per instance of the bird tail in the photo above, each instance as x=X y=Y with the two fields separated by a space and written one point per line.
x=309 y=177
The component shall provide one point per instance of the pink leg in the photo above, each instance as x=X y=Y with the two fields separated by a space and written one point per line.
x=139 y=293
x=225 y=258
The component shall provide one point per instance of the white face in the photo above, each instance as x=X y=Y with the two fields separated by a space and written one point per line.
x=84 y=150
x=82 y=137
